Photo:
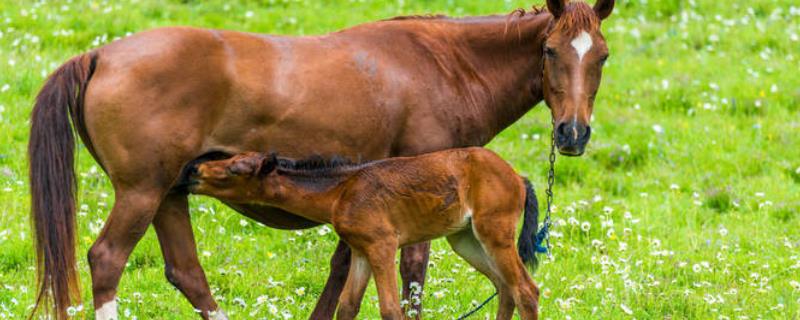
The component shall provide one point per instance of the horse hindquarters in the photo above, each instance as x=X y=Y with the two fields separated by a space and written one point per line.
x=470 y=249
x=493 y=234
x=146 y=108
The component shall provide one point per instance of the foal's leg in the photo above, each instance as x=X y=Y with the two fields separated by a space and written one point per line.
x=381 y=258
x=181 y=266
x=467 y=246
x=357 y=280
x=413 y=266
x=494 y=236
x=132 y=213
x=340 y=263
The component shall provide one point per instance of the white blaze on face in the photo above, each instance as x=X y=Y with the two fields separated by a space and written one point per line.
x=582 y=43
x=108 y=311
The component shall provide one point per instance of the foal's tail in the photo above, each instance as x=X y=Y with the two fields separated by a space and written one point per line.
x=526 y=245
x=52 y=178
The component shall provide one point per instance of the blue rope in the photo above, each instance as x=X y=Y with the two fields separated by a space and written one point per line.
x=478 y=307
x=542 y=238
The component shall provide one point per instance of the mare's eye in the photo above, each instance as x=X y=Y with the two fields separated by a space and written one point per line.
x=603 y=60
x=549 y=52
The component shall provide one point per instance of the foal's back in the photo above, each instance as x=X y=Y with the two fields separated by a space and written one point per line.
x=428 y=196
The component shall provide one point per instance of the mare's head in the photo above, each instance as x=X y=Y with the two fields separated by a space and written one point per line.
x=239 y=179
x=574 y=54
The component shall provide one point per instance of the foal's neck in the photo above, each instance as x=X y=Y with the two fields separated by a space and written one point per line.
x=497 y=61
x=309 y=194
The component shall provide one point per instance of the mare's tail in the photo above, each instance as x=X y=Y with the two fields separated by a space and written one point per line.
x=51 y=151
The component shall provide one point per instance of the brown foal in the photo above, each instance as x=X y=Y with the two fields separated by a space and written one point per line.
x=469 y=195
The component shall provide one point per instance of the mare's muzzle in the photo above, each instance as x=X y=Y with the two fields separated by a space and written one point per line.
x=572 y=137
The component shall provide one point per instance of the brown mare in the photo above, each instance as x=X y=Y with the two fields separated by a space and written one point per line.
x=147 y=105
x=469 y=195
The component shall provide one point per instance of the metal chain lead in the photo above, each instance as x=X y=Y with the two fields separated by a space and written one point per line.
x=551 y=178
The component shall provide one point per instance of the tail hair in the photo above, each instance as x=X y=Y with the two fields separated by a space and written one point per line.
x=526 y=245
x=51 y=150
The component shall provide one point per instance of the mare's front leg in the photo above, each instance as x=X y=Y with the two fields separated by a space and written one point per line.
x=413 y=266
x=181 y=265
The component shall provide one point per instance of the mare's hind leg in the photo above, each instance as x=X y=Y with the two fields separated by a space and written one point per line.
x=496 y=237
x=181 y=266
x=353 y=292
x=133 y=211
x=467 y=246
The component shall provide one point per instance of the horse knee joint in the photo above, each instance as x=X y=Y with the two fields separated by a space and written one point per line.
x=171 y=274
x=97 y=255
x=392 y=314
x=347 y=310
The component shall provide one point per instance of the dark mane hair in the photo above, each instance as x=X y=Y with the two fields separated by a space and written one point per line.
x=315 y=166
x=519 y=12
x=418 y=17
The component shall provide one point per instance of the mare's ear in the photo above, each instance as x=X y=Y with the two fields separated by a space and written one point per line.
x=556 y=7
x=603 y=8
x=268 y=164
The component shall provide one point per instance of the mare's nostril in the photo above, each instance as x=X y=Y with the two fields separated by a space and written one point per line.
x=562 y=129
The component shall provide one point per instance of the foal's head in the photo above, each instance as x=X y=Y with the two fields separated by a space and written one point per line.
x=239 y=179
x=574 y=54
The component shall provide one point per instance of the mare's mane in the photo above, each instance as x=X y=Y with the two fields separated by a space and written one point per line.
x=519 y=12
x=577 y=16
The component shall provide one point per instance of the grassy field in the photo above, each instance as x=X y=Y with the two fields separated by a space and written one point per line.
x=684 y=207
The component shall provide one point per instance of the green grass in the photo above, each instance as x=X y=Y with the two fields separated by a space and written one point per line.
x=690 y=188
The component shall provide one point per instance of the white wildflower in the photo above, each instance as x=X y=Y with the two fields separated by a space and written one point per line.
x=324 y=230
x=625 y=309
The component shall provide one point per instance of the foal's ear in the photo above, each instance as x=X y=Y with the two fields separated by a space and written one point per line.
x=268 y=164
x=556 y=7
x=244 y=167
x=603 y=8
